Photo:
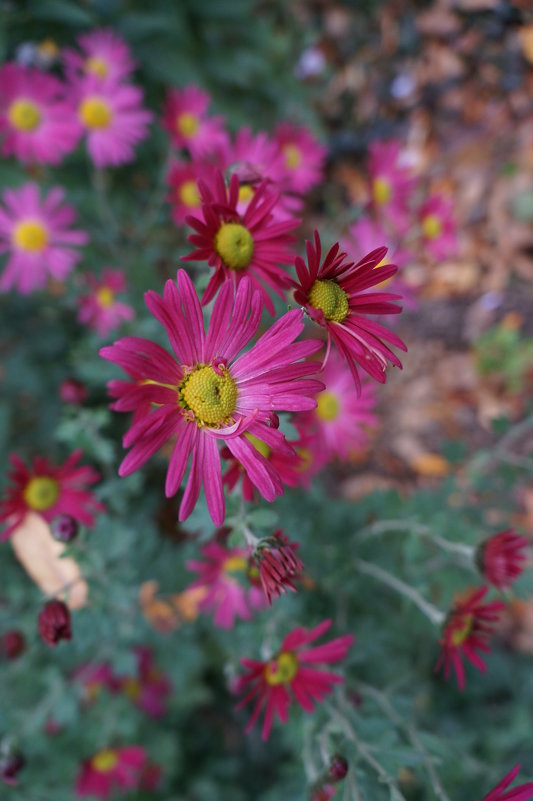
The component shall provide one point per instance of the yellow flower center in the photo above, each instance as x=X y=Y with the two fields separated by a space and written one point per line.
x=431 y=226
x=235 y=564
x=381 y=190
x=246 y=193
x=95 y=113
x=259 y=445
x=104 y=761
x=331 y=299
x=30 y=235
x=293 y=156
x=235 y=245
x=187 y=124
x=96 y=66
x=24 y=115
x=41 y=492
x=327 y=406
x=209 y=396
x=132 y=688
x=48 y=49
x=281 y=670
x=189 y=195
x=105 y=296
x=306 y=459
x=462 y=633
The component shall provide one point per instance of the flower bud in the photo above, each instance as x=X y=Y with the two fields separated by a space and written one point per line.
x=278 y=564
x=64 y=528
x=338 y=768
x=54 y=622
x=501 y=558
x=73 y=391
x=10 y=766
x=13 y=644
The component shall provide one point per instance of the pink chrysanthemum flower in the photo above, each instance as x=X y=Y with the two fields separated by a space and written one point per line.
x=49 y=491
x=255 y=156
x=37 y=124
x=438 y=227
x=184 y=195
x=103 y=54
x=37 y=235
x=150 y=688
x=94 y=678
x=111 y=769
x=502 y=558
x=241 y=245
x=278 y=564
x=303 y=157
x=466 y=631
x=186 y=119
x=113 y=118
x=335 y=295
x=268 y=683
x=523 y=792
x=208 y=393
x=100 y=309
x=391 y=183
x=225 y=575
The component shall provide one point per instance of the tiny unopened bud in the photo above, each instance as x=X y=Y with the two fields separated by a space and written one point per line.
x=278 y=564
x=64 y=528
x=10 y=766
x=13 y=644
x=73 y=391
x=54 y=622
x=338 y=768
x=502 y=558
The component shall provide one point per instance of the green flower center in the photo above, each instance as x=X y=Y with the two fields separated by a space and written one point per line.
x=281 y=670
x=235 y=245
x=41 y=492
x=331 y=299
x=210 y=396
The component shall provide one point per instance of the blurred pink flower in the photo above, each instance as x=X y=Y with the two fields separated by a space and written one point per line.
x=438 y=227
x=111 y=769
x=104 y=54
x=391 y=183
x=186 y=119
x=502 y=558
x=184 y=196
x=303 y=157
x=150 y=688
x=100 y=309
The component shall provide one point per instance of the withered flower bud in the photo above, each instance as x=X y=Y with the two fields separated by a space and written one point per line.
x=54 y=622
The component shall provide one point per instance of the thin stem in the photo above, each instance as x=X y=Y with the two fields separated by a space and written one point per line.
x=412 y=527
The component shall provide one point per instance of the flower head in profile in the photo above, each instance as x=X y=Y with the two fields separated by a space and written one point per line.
x=502 y=558
x=37 y=124
x=184 y=195
x=303 y=157
x=207 y=393
x=391 y=183
x=110 y=770
x=334 y=294
x=278 y=564
x=113 y=118
x=100 y=309
x=103 y=54
x=466 y=631
x=236 y=245
x=292 y=672
x=36 y=234
x=186 y=118
x=438 y=226
x=522 y=792
x=224 y=572
x=49 y=491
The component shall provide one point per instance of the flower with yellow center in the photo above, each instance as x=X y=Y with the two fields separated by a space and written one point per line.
x=132 y=688
x=104 y=761
x=189 y=195
x=246 y=193
x=96 y=66
x=293 y=156
x=328 y=406
x=187 y=124
x=328 y=296
x=259 y=445
x=462 y=630
x=235 y=564
x=24 y=115
x=235 y=245
x=381 y=191
x=281 y=670
x=30 y=235
x=41 y=492
x=209 y=396
x=431 y=226
x=105 y=297
x=95 y=113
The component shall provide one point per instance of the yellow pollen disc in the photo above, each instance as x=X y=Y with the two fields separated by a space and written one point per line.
x=461 y=634
x=189 y=195
x=132 y=688
x=331 y=299
x=105 y=296
x=104 y=761
x=246 y=193
x=306 y=459
x=381 y=190
x=281 y=670
x=41 y=492
x=48 y=49
x=30 y=235
x=235 y=245
x=259 y=445
x=235 y=564
x=96 y=66
x=327 y=406
x=431 y=226
x=293 y=156
x=24 y=115
x=187 y=123
x=95 y=113
x=209 y=396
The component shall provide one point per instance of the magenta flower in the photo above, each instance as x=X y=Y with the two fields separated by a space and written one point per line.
x=150 y=688
x=268 y=683
x=224 y=573
x=303 y=157
x=523 y=792
x=184 y=196
x=241 y=245
x=335 y=296
x=49 y=491
x=502 y=558
x=254 y=157
x=392 y=183
x=100 y=309
x=37 y=124
x=111 y=769
x=37 y=235
x=186 y=119
x=207 y=392
x=113 y=119
x=95 y=677
x=438 y=227
x=278 y=564
x=103 y=54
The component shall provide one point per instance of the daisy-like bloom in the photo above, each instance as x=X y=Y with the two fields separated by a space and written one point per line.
x=292 y=668
x=150 y=688
x=502 y=558
x=111 y=769
x=278 y=564
x=103 y=54
x=184 y=196
x=303 y=157
x=36 y=234
x=335 y=295
x=49 y=491
x=94 y=678
x=523 y=792
x=113 y=118
x=466 y=631
x=255 y=156
x=100 y=309
x=391 y=183
x=186 y=119
x=438 y=226
x=207 y=392
x=238 y=245
x=37 y=124
x=224 y=573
